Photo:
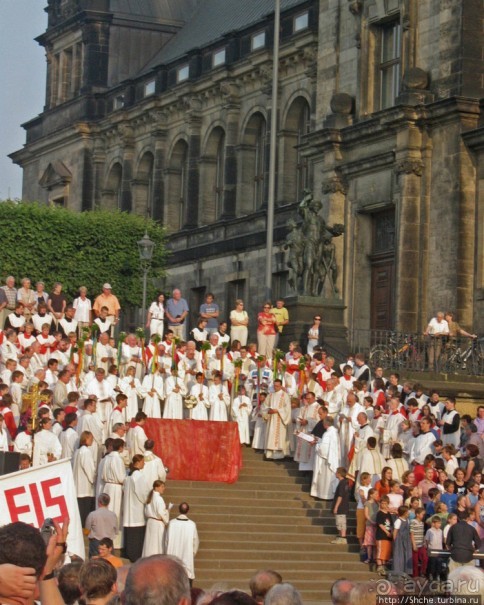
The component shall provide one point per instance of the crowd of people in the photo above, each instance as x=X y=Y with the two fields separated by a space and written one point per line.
x=409 y=458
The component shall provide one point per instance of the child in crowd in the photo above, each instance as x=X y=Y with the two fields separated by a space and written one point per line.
x=371 y=509
x=396 y=498
x=461 y=509
x=451 y=520
x=361 y=497
x=460 y=486
x=434 y=541
x=402 y=545
x=414 y=504
x=441 y=511
x=419 y=548
x=341 y=503
x=433 y=499
x=449 y=497
x=384 y=534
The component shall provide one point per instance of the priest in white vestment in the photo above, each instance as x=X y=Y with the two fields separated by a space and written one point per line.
x=307 y=419
x=326 y=463
x=219 y=399
x=113 y=475
x=175 y=392
x=200 y=392
x=332 y=398
x=104 y=393
x=183 y=540
x=278 y=415
x=153 y=389
x=241 y=408
x=360 y=440
x=131 y=387
x=157 y=518
x=47 y=447
x=154 y=469
x=422 y=444
x=348 y=426
x=370 y=461
x=91 y=421
x=392 y=427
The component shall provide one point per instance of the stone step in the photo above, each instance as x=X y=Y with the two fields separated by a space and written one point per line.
x=265 y=521
x=262 y=555
x=270 y=533
x=248 y=566
x=305 y=576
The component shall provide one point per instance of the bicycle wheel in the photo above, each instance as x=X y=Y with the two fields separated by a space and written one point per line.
x=380 y=356
x=475 y=364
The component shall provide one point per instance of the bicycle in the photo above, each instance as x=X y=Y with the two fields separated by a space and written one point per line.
x=401 y=352
x=471 y=359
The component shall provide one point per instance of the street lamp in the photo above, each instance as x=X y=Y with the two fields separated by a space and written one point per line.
x=145 y=247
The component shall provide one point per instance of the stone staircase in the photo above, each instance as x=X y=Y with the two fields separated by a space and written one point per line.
x=267 y=520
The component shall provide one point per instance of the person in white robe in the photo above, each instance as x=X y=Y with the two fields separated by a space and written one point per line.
x=219 y=399
x=333 y=398
x=47 y=447
x=131 y=387
x=360 y=440
x=278 y=414
x=326 y=463
x=91 y=421
x=190 y=364
x=104 y=393
x=259 y=415
x=114 y=474
x=105 y=354
x=154 y=469
x=422 y=444
x=84 y=473
x=450 y=424
x=215 y=365
x=397 y=462
x=99 y=487
x=157 y=519
x=131 y=356
x=118 y=415
x=200 y=392
x=348 y=426
x=135 y=494
x=136 y=437
x=23 y=441
x=3 y=436
x=306 y=421
x=371 y=461
x=69 y=438
x=175 y=392
x=183 y=541
x=153 y=389
x=392 y=427
x=241 y=408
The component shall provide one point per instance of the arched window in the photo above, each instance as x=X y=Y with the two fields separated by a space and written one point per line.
x=212 y=177
x=253 y=165
x=177 y=187
x=295 y=174
x=112 y=192
x=142 y=186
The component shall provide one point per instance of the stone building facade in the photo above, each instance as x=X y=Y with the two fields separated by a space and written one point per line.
x=163 y=108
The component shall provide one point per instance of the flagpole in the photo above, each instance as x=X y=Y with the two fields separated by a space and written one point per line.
x=273 y=151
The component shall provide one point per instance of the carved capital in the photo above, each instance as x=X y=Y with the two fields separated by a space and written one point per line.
x=334 y=184
x=229 y=90
x=355 y=7
x=410 y=166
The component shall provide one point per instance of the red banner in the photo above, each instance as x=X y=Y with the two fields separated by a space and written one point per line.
x=197 y=450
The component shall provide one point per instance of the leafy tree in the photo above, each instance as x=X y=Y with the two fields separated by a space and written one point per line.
x=89 y=248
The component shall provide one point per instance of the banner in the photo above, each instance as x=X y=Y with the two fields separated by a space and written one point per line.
x=35 y=494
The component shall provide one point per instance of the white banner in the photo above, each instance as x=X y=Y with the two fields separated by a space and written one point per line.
x=35 y=494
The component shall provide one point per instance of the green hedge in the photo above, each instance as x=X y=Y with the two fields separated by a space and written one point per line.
x=78 y=249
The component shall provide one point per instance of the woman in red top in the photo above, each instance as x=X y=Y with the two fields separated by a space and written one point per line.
x=266 y=331
x=383 y=486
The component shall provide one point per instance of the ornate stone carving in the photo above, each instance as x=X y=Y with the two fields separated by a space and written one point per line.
x=334 y=184
x=341 y=102
x=229 y=90
x=355 y=7
x=312 y=253
x=415 y=79
x=410 y=166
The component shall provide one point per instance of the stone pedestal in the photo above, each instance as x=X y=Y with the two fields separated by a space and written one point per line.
x=302 y=309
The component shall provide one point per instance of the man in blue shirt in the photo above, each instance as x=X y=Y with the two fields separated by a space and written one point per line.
x=176 y=312
x=210 y=311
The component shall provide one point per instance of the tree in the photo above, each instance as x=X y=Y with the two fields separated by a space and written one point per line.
x=89 y=248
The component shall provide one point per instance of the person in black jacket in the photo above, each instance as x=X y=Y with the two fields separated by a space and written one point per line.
x=462 y=541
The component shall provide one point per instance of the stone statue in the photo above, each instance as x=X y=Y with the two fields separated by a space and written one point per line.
x=312 y=253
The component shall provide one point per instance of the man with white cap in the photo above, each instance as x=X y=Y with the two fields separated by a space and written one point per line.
x=110 y=301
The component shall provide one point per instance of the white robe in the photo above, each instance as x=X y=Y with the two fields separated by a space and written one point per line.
x=102 y=390
x=4 y=440
x=174 y=400
x=304 y=452
x=45 y=442
x=113 y=475
x=23 y=443
x=372 y=462
x=154 y=468
x=69 y=440
x=241 y=416
x=157 y=518
x=260 y=427
x=153 y=383
x=135 y=494
x=422 y=447
x=105 y=352
x=348 y=429
x=93 y=423
x=390 y=432
x=334 y=402
x=326 y=463
x=135 y=440
x=276 y=445
x=218 y=406
x=132 y=393
x=84 y=472
x=183 y=542
x=199 y=412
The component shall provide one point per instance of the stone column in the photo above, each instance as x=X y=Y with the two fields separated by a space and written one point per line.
x=231 y=139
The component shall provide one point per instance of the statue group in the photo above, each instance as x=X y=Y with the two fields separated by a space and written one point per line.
x=312 y=253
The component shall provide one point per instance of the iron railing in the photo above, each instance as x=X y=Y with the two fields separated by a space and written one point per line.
x=401 y=351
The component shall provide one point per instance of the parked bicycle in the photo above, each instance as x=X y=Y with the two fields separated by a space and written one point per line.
x=401 y=351
x=456 y=358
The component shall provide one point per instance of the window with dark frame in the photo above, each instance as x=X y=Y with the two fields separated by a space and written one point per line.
x=390 y=63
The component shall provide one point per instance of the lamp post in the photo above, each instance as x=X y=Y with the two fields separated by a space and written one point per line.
x=145 y=247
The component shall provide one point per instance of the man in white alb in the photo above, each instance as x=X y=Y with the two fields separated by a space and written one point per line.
x=183 y=540
x=278 y=412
